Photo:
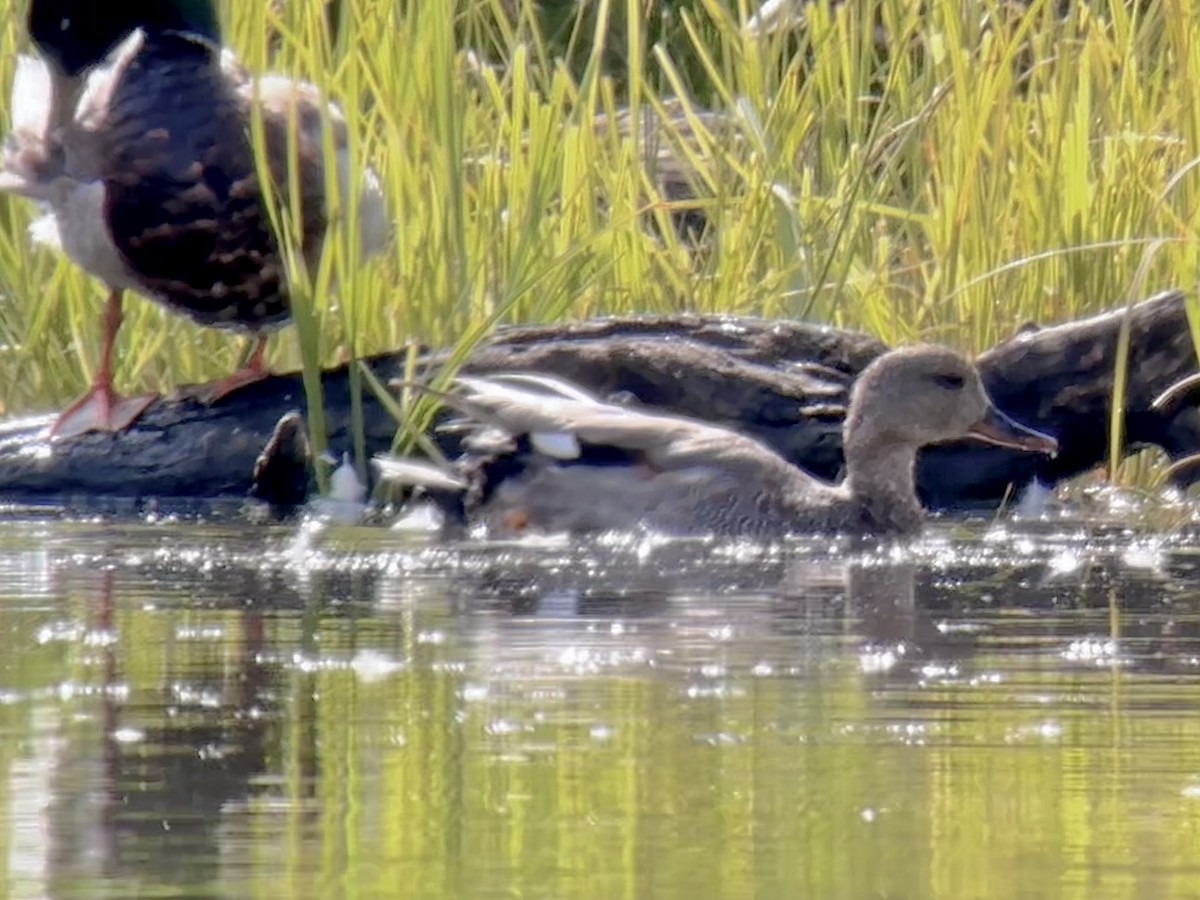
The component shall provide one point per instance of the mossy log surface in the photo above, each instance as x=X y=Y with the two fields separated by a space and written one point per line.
x=784 y=382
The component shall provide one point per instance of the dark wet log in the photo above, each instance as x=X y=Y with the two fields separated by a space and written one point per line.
x=784 y=382
x=787 y=383
x=1062 y=378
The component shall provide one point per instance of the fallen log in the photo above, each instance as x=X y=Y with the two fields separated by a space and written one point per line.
x=784 y=382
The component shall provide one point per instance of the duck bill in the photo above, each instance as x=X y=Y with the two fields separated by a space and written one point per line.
x=999 y=430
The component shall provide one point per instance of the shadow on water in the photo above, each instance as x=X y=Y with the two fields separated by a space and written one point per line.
x=234 y=712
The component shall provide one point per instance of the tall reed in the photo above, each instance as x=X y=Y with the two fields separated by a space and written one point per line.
x=941 y=170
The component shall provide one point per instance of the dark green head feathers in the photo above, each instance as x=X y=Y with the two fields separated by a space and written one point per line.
x=78 y=34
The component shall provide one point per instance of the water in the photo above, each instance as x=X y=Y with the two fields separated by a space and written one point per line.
x=239 y=712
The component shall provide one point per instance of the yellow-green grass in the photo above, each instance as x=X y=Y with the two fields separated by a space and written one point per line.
x=979 y=168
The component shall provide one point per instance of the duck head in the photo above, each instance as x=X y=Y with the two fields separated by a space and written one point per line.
x=927 y=395
x=76 y=35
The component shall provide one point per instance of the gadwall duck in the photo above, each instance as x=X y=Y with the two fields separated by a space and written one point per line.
x=132 y=128
x=549 y=456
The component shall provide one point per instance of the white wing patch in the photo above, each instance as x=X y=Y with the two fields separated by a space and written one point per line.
x=556 y=444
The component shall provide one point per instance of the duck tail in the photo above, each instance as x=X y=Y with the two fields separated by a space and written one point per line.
x=25 y=157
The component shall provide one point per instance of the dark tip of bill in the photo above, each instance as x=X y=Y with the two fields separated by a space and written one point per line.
x=998 y=429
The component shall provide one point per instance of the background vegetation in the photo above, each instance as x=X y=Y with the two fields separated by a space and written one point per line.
x=943 y=170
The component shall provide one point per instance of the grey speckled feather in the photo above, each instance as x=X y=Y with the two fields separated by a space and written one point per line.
x=681 y=476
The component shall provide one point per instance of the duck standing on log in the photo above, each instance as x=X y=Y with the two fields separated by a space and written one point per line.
x=132 y=129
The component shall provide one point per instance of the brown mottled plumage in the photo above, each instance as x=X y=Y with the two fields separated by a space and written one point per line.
x=134 y=131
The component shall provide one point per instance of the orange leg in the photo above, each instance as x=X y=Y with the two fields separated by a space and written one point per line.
x=101 y=408
x=254 y=370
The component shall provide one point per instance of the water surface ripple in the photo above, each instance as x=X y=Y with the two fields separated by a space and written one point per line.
x=228 y=711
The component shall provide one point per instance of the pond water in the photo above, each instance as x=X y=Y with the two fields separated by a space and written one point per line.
x=229 y=711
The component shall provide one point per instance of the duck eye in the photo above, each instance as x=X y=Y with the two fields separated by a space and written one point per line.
x=949 y=382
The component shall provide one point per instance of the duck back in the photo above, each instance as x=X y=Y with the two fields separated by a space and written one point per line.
x=182 y=198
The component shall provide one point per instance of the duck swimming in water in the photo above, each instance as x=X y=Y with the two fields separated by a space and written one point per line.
x=131 y=128
x=547 y=455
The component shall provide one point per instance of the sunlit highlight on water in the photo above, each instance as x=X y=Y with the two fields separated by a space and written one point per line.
x=553 y=718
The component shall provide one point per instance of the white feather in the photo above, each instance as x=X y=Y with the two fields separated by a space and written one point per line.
x=556 y=444
x=374 y=227
x=80 y=230
x=775 y=16
x=24 y=150
x=417 y=474
x=44 y=231
x=344 y=484
x=102 y=80
x=551 y=385
x=31 y=96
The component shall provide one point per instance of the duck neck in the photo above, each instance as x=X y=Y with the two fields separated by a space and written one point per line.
x=880 y=479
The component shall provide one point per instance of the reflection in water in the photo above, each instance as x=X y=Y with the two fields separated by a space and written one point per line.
x=240 y=712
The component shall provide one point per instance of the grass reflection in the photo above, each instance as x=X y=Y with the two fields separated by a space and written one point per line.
x=229 y=730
